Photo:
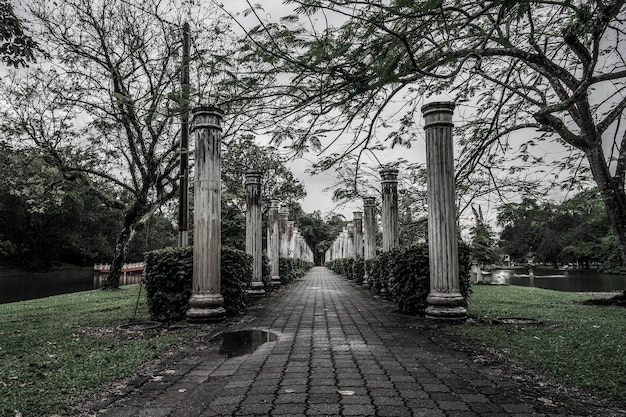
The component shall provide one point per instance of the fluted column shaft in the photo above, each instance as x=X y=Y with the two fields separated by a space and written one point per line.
x=254 y=231
x=369 y=234
x=389 y=177
x=206 y=302
x=357 y=224
x=273 y=241
x=445 y=300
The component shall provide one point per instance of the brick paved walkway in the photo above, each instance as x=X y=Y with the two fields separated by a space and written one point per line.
x=339 y=352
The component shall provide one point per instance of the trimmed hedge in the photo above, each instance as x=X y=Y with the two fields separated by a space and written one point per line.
x=358 y=270
x=405 y=271
x=342 y=266
x=168 y=280
x=290 y=269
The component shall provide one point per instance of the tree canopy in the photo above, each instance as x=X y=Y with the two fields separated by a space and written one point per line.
x=529 y=73
x=17 y=47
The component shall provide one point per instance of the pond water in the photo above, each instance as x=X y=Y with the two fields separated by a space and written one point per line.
x=21 y=285
x=571 y=281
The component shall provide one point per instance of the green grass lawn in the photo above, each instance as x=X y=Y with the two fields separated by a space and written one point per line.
x=56 y=351
x=579 y=344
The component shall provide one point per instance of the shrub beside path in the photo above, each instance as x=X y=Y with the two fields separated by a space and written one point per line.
x=339 y=352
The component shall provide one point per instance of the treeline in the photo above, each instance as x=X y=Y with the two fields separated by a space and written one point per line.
x=47 y=216
x=576 y=231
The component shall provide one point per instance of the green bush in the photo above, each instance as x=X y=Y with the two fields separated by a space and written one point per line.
x=406 y=274
x=409 y=282
x=378 y=271
x=169 y=275
x=167 y=278
x=342 y=266
x=409 y=276
x=358 y=270
x=236 y=273
x=290 y=269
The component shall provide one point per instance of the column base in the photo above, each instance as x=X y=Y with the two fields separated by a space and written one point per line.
x=366 y=281
x=256 y=290
x=276 y=281
x=205 y=307
x=384 y=292
x=446 y=306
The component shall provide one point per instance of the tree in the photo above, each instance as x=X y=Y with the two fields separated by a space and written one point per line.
x=109 y=106
x=482 y=246
x=44 y=216
x=17 y=48
x=522 y=228
x=552 y=70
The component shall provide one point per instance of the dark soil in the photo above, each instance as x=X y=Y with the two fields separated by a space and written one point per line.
x=619 y=300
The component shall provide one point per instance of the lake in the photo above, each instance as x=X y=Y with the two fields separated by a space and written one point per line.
x=16 y=285
x=571 y=280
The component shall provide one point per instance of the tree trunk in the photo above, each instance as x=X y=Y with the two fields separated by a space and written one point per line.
x=612 y=194
x=131 y=219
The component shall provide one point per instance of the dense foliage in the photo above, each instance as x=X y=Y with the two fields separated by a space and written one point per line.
x=290 y=269
x=169 y=276
x=523 y=74
x=405 y=273
x=575 y=231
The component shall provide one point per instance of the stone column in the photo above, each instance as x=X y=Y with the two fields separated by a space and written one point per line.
x=389 y=182
x=283 y=216
x=369 y=234
x=254 y=231
x=206 y=302
x=357 y=237
x=445 y=300
x=273 y=240
x=357 y=219
x=291 y=241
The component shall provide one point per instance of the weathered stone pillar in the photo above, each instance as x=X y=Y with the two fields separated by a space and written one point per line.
x=254 y=231
x=445 y=300
x=206 y=302
x=389 y=182
x=369 y=234
x=357 y=219
x=273 y=240
x=291 y=241
x=283 y=216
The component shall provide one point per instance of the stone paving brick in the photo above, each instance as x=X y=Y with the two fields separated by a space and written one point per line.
x=358 y=410
x=340 y=351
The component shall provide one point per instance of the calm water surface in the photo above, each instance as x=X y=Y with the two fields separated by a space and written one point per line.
x=571 y=281
x=20 y=285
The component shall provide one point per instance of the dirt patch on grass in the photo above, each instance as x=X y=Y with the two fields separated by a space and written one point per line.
x=618 y=300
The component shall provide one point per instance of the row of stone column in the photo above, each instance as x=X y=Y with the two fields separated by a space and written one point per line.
x=358 y=239
x=284 y=240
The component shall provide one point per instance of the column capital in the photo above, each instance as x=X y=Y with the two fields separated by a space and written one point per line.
x=207 y=116
x=253 y=177
x=369 y=201
x=357 y=215
x=438 y=113
x=389 y=174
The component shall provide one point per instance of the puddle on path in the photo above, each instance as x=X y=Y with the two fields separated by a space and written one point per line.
x=242 y=342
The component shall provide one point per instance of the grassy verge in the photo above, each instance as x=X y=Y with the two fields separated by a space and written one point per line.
x=583 y=345
x=57 y=351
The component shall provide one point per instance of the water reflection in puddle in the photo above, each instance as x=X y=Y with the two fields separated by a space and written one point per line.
x=243 y=342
